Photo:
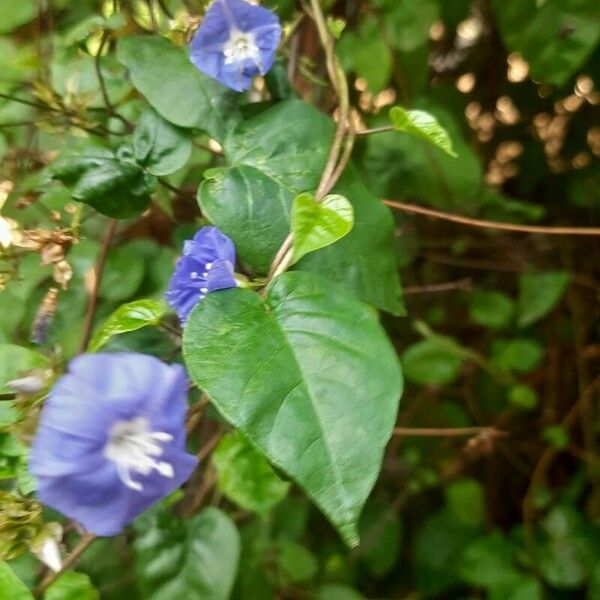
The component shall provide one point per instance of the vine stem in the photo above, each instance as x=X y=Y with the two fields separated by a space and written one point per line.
x=84 y=543
x=499 y=225
x=343 y=140
x=98 y=273
x=447 y=432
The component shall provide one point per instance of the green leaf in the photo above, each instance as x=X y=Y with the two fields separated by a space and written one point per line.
x=72 y=586
x=196 y=559
x=431 y=362
x=176 y=89
x=11 y=587
x=297 y=562
x=335 y=591
x=408 y=22
x=245 y=476
x=276 y=156
x=487 y=561
x=523 y=397
x=555 y=38
x=159 y=146
x=465 y=499
x=520 y=355
x=491 y=309
x=423 y=125
x=14 y=14
x=128 y=317
x=316 y=225
x=539 y=293
x=111 y=183
x=14 y=360
x=293 y=373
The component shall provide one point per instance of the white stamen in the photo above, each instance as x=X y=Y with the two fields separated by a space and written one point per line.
x=240 y=47
x=204 y=290
x=132 y=447
x=208 y=266
x=205 y=274
x=193 y=275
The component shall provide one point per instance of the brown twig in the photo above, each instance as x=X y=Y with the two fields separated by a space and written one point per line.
x=98 y=273
x=84 y=543
x=498 y=225
x=447 y=431
x=465 y=284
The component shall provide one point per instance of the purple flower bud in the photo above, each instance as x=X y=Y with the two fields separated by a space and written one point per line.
x=206 y=266
x=235 y=42
x=111 y=439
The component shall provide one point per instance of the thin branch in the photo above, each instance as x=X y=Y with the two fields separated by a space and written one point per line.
x=465 y=284
x=438 y=214
x=84 y=543
x=98 y=273
x=448 y=432
x=376 y=130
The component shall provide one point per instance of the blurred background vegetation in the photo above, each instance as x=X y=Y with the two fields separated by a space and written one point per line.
x=501 y=338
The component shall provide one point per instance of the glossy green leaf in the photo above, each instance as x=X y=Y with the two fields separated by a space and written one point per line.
x=431 y=362
x=316 y=225
x=113 y=183
x=159 y=146
x=176 y=89
x=195 y=559
x=11 y=587
x=276 y=156
x=245 y=476
x=128 y=317
x=14 y=360
x=72 y=586
x=423 y=125
x=555 y=37
x=539 y=293
x=293 y=373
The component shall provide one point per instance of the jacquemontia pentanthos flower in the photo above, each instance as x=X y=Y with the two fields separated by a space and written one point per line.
x=111 y=439
x=207 y=265
x=236 y=42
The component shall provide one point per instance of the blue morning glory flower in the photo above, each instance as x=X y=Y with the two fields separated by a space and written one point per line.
x=235 y=42
x=206 y=266
x=111 y=439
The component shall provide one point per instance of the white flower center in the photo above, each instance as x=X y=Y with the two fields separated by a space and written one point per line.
x=240 y=47
x=134 y=448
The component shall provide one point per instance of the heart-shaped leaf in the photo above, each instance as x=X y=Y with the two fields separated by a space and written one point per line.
x=423 y=125
x=310 y=378
x=316 y=225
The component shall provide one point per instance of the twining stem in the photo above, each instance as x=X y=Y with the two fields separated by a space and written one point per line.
x=98 y=273
x=84 y=543
x=541 y=229
x=447 y=432
x=343 y=140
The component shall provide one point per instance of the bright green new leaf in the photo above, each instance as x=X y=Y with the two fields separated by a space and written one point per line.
x=309 y=376
x=176 y=89
x=195 y=559
x=159 y=146
x=14 y=360
x=72 y=586
x=316 y=225
x=245 y=476
x=539 y=293
x=113 y=183
x=11 y=587
x=423 y=125
x=128 y=317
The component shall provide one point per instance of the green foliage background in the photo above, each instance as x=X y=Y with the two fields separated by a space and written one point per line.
x=101 y=115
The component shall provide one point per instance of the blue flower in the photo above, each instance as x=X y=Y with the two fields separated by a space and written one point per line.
x=236 y=41
x=111 y=439
x=206 y=266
